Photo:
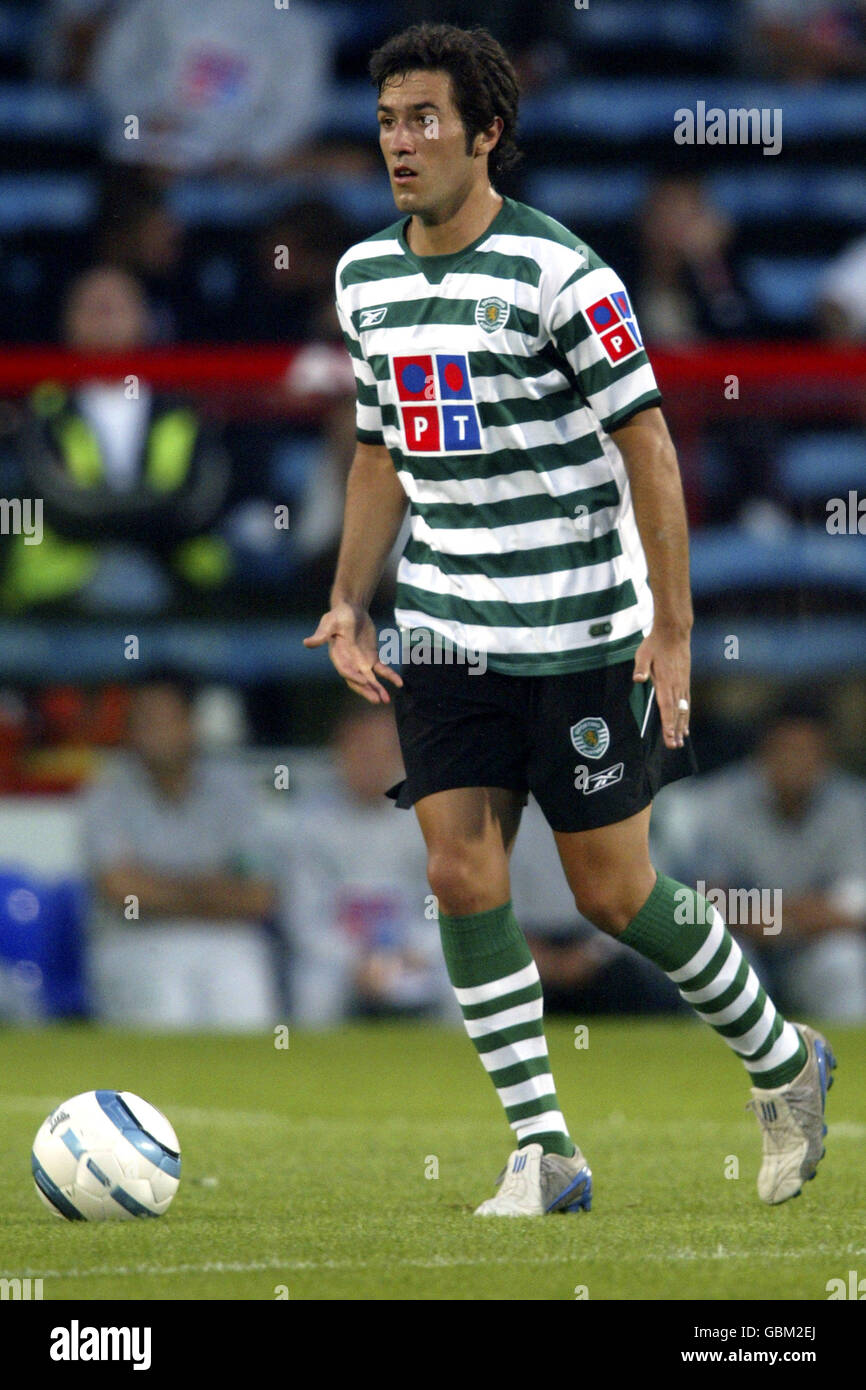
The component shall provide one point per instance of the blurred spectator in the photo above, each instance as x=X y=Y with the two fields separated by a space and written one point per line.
x=132 y=482
x=807 y=40
x=291 y=298
x=686 y=288
x=364 y=938
x=320 y=514
x=231 y=85
x=788 y=821
x=66 y=36
x=842 y=296
x=137 y=232
x=178 y=860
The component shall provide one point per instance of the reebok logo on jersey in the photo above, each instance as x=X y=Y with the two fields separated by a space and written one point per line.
x=614 y=323
x=437 y=410
x=370 y=317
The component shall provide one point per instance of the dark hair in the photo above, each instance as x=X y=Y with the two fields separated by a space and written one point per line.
x=316 y=222
x=797 y=706
x=483 y=80
x=168 y=677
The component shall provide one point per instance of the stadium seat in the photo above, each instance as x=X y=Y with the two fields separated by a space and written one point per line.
x=784 y=287
x=241 y=202
x=620 y=110
x=781 y=649
x=46 y=202
x=730 y=558
x=748 y=196
x=357 y=23
x=753 y=195
x=38 y=109
x=568 y=194
x=687 y=25
x=822 y=465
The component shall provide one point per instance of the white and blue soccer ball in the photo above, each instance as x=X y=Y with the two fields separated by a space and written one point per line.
x=106 y=1156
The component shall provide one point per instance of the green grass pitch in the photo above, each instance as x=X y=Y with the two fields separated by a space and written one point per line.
x=307 y=1171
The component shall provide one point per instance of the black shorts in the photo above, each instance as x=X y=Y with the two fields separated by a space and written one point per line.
x=588 y=745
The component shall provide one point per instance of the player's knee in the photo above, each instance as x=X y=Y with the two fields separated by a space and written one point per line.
x=606 y=905
x=462 y=881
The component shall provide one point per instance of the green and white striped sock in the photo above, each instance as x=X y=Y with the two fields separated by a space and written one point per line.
x=498 y=989
x=703 y=959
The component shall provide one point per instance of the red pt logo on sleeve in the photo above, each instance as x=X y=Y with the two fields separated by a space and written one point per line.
x=614 y=324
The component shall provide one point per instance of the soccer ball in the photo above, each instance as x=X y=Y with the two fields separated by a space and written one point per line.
x=106 y=1156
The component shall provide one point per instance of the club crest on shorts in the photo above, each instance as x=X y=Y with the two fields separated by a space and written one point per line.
x=491 y=313
x=591 y=737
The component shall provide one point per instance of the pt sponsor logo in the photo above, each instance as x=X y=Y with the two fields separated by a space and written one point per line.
x=613 y=322
x=589 y=782
x=591 y=737
x=436 y=403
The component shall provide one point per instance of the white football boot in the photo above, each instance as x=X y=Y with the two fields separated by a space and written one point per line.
x=535 y=1184
x=792 y=1121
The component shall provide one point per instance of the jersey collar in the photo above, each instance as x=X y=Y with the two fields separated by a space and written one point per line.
x=435 y=268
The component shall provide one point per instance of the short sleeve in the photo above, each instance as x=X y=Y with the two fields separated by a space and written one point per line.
x=368 y=411
x=591 y=322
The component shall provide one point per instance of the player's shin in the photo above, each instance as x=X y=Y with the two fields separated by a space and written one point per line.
x=682 y=933
x=499 y=992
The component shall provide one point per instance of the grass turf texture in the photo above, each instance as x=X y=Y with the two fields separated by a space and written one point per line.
x=319 y=1154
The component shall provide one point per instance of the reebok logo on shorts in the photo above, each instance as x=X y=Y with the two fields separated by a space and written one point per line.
x=436 y=404
x=589 y=782
x=614 y=324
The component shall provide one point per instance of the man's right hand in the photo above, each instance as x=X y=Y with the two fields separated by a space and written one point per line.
x=351 y=638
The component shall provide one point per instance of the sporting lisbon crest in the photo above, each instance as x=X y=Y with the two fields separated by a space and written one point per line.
x=491 y=313
x=591 y=737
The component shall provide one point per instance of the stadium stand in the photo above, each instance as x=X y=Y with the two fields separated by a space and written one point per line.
x=760 y=461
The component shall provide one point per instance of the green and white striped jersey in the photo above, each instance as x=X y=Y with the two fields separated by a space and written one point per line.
x=494 y=376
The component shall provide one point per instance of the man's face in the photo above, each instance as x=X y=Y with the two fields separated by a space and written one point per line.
x=794 y=759
x=161 y=729
x=424 y=146
x=106 y=313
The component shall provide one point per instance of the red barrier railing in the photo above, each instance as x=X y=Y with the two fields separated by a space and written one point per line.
x=700 y=384
x=191 y=367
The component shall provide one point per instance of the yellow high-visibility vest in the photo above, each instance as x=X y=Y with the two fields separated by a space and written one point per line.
x=57 y=567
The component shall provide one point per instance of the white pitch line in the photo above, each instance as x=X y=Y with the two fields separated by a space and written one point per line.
x=846 y=1129
x=26 y=1103
x=302 y=1266
x=122 y=1271
x=186 y=1114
